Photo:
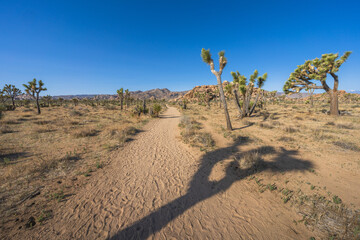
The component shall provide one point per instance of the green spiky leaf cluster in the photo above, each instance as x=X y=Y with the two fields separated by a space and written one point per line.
x=242 y=81
x=120 y=92
x=33 y=88
x=206 y=56
x=306 y=75
x=222 y=54
x=11 y=91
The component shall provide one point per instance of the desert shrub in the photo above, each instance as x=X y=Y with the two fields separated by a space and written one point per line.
x=74 y=113
x=205 y=139
x=130 y=130
x=71 y=156
x=265 y=125
x=156 y=109
x=5 y=129
x=110 y=107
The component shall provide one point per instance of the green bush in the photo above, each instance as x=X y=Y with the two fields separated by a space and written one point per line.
x=156 y=109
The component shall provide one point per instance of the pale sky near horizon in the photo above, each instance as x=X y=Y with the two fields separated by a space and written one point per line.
x=96 y=47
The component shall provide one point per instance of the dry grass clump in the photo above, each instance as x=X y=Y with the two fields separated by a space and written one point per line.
x=347 y=145
x=43 y=129
x=85 y=132
x=249 y=160
x=265 y=125
x=42 y=122
x=290 y=129
x=75 y=113
x=286 y=139
x=345 y=126
x=191 y=134
x=330 y=124
x=10 y=122
x=5 y=129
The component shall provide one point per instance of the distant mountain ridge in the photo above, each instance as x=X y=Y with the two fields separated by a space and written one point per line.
x=157 y=93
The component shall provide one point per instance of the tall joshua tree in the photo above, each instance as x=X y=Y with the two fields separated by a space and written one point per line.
x=247 y=90
x=120 y=93
x=206 y=57
x=33 y=89
x=11 y=92
x=306 y=75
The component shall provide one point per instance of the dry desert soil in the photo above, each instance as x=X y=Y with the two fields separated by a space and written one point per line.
x=157 y=187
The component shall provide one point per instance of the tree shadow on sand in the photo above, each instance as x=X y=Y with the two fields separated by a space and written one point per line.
x=201 y=188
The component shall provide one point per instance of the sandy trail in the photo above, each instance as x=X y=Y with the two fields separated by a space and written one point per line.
x=158 y=188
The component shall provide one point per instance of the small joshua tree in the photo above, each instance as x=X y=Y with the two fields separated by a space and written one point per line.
x=206 y=57
x=120 y=93
x=33 y=89
x=47 y=99
x=306 y=75
x=247 y=90
x=11 y=92
x=127 y=98
x=75 y=101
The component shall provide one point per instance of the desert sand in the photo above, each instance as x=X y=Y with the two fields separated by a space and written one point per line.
x=159 y=188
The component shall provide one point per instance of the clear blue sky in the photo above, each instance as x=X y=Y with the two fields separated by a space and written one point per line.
x=79 y=47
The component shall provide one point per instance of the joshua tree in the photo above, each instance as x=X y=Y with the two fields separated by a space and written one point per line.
x=34 y=90
x=127 y=97
x=11 y=92
x=206 y=57
x=246 y=90
x=47 y=99
x=120 y=93
x=144 y=106
x=305 y=75
x=75 y=101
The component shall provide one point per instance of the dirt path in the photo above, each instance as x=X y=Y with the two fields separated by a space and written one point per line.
x=158 y=188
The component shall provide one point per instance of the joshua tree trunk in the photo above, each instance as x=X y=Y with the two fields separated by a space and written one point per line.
x=334 y=104
x=121 y=103
x=37 y=103
x=222 y=96
x=13 y=102
x=144 y=106
x=236 y=99
x=254 y=105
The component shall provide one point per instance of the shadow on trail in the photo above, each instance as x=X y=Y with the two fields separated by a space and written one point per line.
x=201 y=188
